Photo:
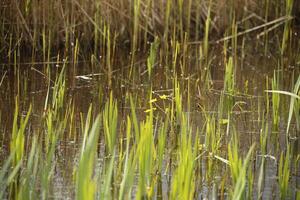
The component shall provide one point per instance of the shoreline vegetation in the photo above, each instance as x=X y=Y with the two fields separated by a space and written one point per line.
x=149 y=99
x=38 y=25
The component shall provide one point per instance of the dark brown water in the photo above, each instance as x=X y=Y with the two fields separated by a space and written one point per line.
x=88 y=85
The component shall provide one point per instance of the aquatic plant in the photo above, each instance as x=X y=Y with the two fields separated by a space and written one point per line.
x=110 y=119
x=146 y=156
x=129 y=167
x=148 y=99
x=275 y=101
x=287 y=26
x=29 y=176
x=183 y=185
x=152 y=57
x=86 y=186
x=238 y=169
x=18 y=131
x=284 y=173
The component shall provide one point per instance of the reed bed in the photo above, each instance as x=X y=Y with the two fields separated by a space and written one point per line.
x=41 y=26
x=149 y=99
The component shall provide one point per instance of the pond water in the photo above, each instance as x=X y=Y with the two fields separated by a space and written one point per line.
x=87 y=84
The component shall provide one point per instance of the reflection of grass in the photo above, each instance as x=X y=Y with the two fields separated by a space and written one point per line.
x=160 y=145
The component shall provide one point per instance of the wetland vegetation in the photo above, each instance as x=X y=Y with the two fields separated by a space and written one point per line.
x=150 y=99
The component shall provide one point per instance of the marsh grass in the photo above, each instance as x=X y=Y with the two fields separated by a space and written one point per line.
x=240 y=171
x=86 y=186
x=146 y=156
x=110 y=119
x=263 y=148
x=29 y=175
x=287 y=27
x=293 y=103
x=44 y=26
x=156 y=141
x=129 y=167
x=152 y=57
x=275 y=101
x=229 y=86
x=17 y=144
x=150 y=152
x=183 y=185
x=7 y=175
x=284 y=174
x=18 y=131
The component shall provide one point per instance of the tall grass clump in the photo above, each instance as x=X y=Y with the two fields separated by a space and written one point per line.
x=29 y=176
x=275 y=101
x=178 y=102
x=134 y=120
x=240 y=187
x=56 y=104
x=229 y=80
x=284 y=174
x=206 y=35
x=287 y=27
x=161 y=151
x=55 y=120
x=110 y=48
x=183 y=182
x=135 y=32
x=212 y=138
x=54 y=132
x=146 y=157
x=263 y=148
x=152 y=57
x=110 y=122
x=17 y=144
x=294 y=103
x=110 y=119
x=239 y=169
x=86 y=185
x=205 y=48
x=212 y=144
x=44 y=27
x=18 y=138
x=8 y=176
x=229 y=86
x=295 y=106
x=129 y=166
